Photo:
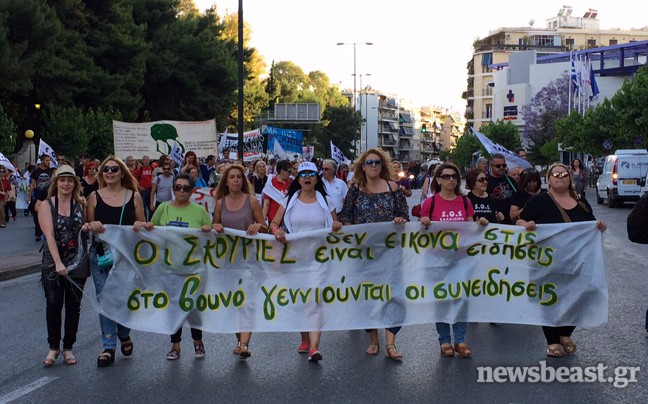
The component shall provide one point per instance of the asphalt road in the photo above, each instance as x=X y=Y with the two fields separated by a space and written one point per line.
x=277 y=373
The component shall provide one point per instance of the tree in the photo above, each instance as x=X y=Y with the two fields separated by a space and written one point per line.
x=546 y=107
x=503 y=133
x=66 y=130
x=7 y=134
x=632 y=103
x=338 y=126
x=290 y=81
x=462 y=154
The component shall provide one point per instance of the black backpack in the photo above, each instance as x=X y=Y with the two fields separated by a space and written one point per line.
x=638 y=221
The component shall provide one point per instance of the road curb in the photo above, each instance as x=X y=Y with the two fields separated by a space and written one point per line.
x=19 y=271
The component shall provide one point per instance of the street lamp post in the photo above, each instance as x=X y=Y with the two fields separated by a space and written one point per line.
x=365 y=115
x=354 y=78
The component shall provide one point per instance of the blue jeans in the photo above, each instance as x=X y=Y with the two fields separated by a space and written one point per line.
x=146 y=200
x=459 y=330
x=110 y=329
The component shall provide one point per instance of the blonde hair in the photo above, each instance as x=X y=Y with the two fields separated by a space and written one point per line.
x=127 y=180
x=359 y=177
x=76 y=192
x=222 y=189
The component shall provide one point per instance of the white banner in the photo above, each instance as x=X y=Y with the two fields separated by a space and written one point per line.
x=368 y=276
x=512 y=159
x=155 y=138
x=4 y=162
x=338 y=156
x=252 y=145
x=44 y=148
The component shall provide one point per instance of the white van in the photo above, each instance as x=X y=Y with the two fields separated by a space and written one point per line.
x=623 y=177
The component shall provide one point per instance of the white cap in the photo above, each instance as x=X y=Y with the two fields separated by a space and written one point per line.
x=307 y=166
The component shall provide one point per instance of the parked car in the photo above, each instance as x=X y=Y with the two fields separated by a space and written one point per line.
x=623 y=177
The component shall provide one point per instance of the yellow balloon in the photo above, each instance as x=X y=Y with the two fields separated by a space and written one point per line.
x=29 y=133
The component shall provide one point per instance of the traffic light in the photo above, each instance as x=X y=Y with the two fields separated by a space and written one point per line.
x=424 y=128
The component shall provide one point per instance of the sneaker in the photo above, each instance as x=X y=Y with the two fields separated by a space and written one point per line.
x=303 y=348
x=173 y=354
x=200 y=351
x=315 y=355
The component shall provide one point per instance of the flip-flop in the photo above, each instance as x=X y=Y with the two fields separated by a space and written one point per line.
x=69 y=358
x=50 y=360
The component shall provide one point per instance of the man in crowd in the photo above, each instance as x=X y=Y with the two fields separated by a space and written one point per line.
x=40 y=182
x=521 y=153
x=208 y=168
x=335 y=187
x=83 y=160
x=276 y=190
x=144 y=176
x=501 y=186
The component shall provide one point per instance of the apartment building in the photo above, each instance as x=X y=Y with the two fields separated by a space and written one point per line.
x=562 y=33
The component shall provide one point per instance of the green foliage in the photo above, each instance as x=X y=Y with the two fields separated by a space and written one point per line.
x=99 y=124
x=549 y=152
x=503 y=133
x=467 y=144
x=338 y=126
x=7 y=134
x=631 y=101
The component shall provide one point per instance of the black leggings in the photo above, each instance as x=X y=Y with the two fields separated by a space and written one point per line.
x=10 y=206
x=58 y=292
x=553 y=334
x=196 y=334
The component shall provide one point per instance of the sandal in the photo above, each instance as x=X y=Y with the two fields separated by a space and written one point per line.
x=555 y=352
x=237 y=349
x=106 y=358
x=173 y=354
x=392 y=353
x=245 y=351
x=463 y=350
x=199 y=350
x=569 y=346
x=69 y=358
x=373 y=349
x=447 y=351
x=50 y=360
x=126 y=347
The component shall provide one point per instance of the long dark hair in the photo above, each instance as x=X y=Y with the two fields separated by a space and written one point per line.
x=296 y=186
x=527 y=175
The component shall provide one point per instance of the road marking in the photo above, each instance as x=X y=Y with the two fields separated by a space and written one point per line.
x=16 y=394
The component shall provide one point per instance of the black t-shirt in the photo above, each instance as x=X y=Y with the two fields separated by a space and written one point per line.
x=502 y=190
x=521 y=198
x=42 y=178
x=484 y=207
x=542 y=209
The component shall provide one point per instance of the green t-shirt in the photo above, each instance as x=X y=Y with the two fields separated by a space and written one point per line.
x=193 y=216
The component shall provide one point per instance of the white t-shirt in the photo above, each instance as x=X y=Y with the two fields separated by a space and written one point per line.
x=337 y=190
x=308 y=216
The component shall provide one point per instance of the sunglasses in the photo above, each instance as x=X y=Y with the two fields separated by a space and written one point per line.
x=482 y=179
x=448 y=177
x=562 y=174
x=112 y=169
x=183 y=188
x=373 y=162
x=309 y=174
x=499 y=165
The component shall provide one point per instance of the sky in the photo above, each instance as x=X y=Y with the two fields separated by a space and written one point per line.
x=420 y=48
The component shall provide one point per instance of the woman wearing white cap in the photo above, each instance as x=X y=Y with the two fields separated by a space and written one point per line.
x=308 y=208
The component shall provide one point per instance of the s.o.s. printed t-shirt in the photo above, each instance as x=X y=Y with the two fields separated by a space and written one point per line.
x=447 y=211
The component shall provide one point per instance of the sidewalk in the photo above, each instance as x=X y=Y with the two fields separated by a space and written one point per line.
x=19 y=253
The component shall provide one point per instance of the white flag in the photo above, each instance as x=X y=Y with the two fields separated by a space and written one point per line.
x=4 y=162
x=337 y=155
x=44 y=148
x=279 y=151
x=176 y=154
x=512 y=159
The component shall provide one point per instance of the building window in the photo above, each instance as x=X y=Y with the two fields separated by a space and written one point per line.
x=613 y=42
x=569 y=43
x=591 y=43
x=489 y=111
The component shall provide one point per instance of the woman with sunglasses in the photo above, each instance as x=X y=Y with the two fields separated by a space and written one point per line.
x=181 y=212
x=561 y=204
x=89 y=182
x=308 y=208
x=483 y=203
x=116 y=202
x=373 y=197
x=237 y=207
x=528 y=186
x=449 y=205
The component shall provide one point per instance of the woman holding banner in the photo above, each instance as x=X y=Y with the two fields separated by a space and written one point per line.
x=116 y=202
x=373 y=197
x=308 y=208
x=561 y=204
x=449 y=204
x=181 y=212
x=236 y=207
